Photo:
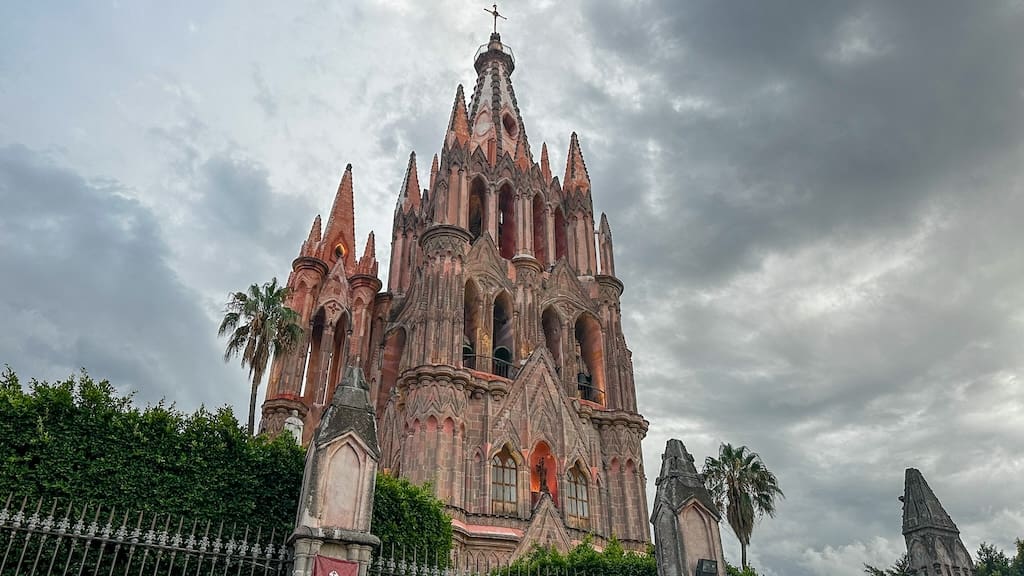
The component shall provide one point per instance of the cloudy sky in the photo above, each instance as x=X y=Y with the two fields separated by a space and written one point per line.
x=817 y=210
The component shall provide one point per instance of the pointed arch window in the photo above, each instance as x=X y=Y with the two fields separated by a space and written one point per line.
x=501 y=337
x=540 y=232
x=577 y=501
x=471 y=319
x=561 y=245
x=506 y=222
x=589 y=352
x=477 y=208
x=503 y=483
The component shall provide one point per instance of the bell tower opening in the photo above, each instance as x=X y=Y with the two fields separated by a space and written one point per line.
x=501 y=336
x=589 y=359
x=477 y=208
x=471 y=324
x=552 y=325
x=506 y=222
x=561 y=246
x=540 y=236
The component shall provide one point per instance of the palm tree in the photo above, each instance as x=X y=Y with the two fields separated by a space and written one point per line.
x=259 y=324
x=740 y=483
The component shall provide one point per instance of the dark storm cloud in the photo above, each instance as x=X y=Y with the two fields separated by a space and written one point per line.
x=804 y=143
x=86 y=284
x=813 y=212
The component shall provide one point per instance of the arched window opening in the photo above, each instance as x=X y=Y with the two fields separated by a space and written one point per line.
x=394 y=347
x=561 y=246
x=501 y=336
x=577 y=501
x=589 y=359
x=471 y=324
x=543 y=474
x=477 y=208
x=506 y=222
x=552 y=325
x=313 y=368
x=503 y=483
x=540 y=237
x=338 y=359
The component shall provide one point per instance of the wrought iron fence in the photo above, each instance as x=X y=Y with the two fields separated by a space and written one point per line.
x=41 y=537
x=423 y=563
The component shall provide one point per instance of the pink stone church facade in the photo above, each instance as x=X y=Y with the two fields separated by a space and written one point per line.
x=496 y=359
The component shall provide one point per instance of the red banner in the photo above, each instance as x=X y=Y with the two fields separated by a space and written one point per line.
x=324 y=566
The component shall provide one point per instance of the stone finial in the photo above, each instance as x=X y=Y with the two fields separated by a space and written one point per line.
x=545 y=164
x=576 y=176
x=433 y=172
x=933 y=540
x=411 y=186
x=685 y=518
x=368 y=261
x=458 y=124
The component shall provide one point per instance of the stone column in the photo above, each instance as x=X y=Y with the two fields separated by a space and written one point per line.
x=685 y=518
x=335 y=508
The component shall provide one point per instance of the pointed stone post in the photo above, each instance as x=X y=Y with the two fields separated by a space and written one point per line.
x=332 y=526
x=934 y=547
x=686 y=536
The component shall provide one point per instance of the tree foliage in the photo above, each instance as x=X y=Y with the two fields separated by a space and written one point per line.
x=79 y=440
x=409 y=520
x=731 y=570
x=584 y=559
x=743 y=486
x=992 y=561
x=258 y=325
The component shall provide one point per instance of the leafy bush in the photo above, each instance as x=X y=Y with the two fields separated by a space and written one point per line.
x=410 y=521
x=79 y=440
x=583 y=559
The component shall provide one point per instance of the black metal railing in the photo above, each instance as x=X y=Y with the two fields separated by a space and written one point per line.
x=496 y=366
x=50 y=537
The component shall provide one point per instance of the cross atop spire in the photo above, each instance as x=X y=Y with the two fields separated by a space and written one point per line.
x=494 y=12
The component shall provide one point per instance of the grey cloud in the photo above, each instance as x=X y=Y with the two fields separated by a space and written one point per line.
x=87 y=283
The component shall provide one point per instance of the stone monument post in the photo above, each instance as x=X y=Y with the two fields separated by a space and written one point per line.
x=332 y=527
x=685 y=518
x=933 y=541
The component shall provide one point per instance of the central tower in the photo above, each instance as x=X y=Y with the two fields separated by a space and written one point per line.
x=496 y=358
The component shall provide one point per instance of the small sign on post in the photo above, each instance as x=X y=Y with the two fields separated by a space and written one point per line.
x=706 y=567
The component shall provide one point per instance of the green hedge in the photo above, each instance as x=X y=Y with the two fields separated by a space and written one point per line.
x=79 y=440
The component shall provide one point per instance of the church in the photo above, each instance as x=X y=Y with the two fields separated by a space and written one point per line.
x=495 y=357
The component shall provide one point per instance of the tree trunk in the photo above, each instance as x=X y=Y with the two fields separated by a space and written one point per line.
x=256 y=377
x=252 y=408
x=743 y=554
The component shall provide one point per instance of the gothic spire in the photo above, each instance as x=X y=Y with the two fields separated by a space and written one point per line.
x=496 y=126
x=576 y=176
x=341 y=224
x=458 y=124
x=411 y=186
x=921 y=508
